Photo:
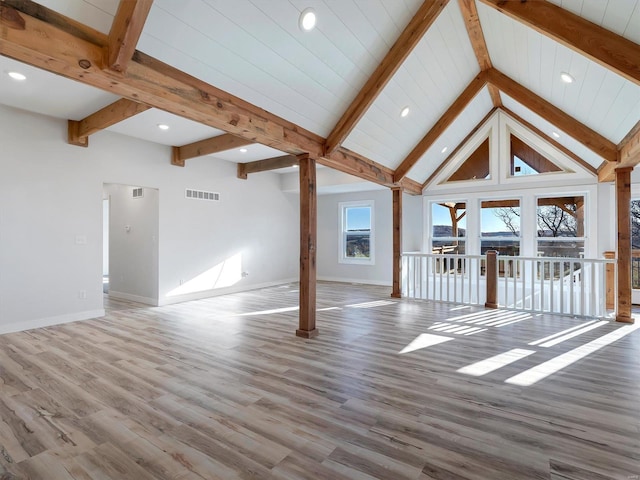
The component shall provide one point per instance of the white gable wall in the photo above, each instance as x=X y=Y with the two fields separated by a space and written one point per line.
x=51 y=220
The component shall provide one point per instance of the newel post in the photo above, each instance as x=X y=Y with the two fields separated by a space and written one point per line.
x=492 y=279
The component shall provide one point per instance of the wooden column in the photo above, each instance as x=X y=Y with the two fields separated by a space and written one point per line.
x=623 y=247
x=397 y=242
x=610 y=279
x=308 y=238
x=492 y=279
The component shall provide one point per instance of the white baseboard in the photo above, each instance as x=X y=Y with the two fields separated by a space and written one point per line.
x=49 y=321
x=359 y=281
x=134 y=298
x=222 y=291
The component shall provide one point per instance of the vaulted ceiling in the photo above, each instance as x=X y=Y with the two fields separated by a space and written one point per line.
x=336 y=91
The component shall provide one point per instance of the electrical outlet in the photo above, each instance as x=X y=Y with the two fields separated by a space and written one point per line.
x=82 y=294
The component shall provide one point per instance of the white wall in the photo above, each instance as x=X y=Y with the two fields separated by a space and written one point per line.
x=329 y=233
x=51 y=202
x=133 y=242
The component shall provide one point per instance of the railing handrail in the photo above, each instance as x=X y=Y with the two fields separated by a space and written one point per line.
x=510 y=257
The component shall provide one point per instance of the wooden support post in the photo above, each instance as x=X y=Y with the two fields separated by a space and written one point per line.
x=396 y=291
x=308 y=238
x=623 y=247
x=610 y=279
x=492 y=279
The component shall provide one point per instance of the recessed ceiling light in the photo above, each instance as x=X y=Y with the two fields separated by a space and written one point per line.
x=555 y=134
x=404 y=112
x=17 y=76
x=444 y=149
x=163 y=126
x=566 y=78
x=307 y=20
x=243 y=150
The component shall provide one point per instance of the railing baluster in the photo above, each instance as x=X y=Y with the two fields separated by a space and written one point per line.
x=582 y=282
x=571 y=299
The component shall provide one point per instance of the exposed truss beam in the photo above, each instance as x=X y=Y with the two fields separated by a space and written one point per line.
x=589 y=138
x=474 y=29
x=599 y=44
x=80 y=130
x=69 y=49
x=244 y=169
x=628 y=155
x=441 y=125
x=208 y=146
x=412 y=34
x=125 y=32
x=476 y=36
x=51 y=17
x=552 y=141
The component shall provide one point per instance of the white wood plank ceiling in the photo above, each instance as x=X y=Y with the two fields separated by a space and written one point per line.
x=598 y=98
x=429 y=81
x=255 y=50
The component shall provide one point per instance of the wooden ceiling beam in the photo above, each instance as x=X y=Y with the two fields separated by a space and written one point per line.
x=69 y=49
x=599 y=44
x=441 y=125
x=125 y=32
x=52 y=18
x=404 y=45
x=152 y=82
x=589 y=138
x=478 y=43
x=80 y=130
x=223 y=142
x=244 y=169
x=628 y=155
x=476 y=36
x=552 y=141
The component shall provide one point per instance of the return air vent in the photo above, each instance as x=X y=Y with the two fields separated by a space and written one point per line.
x=201 y=195
x=138 y=192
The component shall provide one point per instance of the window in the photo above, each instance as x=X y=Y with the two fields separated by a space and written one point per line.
x=500 y=221
x=527 y=161
x=356 y=233
x=560 y=225
x=449 y=227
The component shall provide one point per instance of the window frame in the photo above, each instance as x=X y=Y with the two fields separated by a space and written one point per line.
x=433 y=238
x=584 y=238
x=342 y=233
x=519 y=237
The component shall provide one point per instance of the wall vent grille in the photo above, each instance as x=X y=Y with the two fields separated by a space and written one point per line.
x=138 y=192
x=202 y=195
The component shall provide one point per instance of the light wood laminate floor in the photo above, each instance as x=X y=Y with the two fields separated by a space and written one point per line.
x=222 y=389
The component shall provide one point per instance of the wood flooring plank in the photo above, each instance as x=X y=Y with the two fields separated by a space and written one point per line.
x=220 y=388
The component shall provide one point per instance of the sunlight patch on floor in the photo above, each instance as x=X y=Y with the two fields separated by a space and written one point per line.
x=424 y=340
x=573 y=334
x=539 y=372
x=374 y=304
x=489 y=365
x=542 y=340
